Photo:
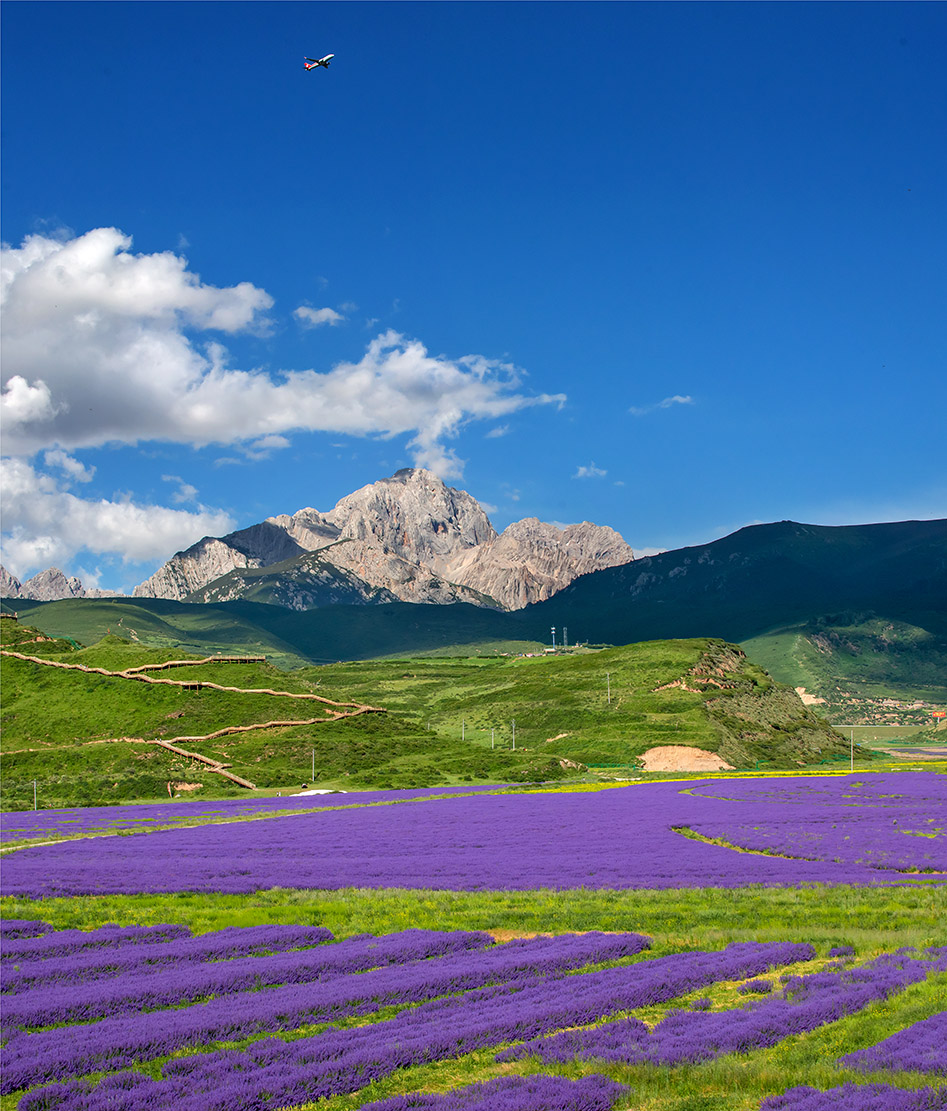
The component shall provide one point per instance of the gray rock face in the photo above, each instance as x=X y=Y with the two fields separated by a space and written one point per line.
x=50 y=585
x=9 y=584
x=416 y=516
x=409 y=537
x=531 y=560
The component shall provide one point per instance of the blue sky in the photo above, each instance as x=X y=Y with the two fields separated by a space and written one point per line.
x=673 y=268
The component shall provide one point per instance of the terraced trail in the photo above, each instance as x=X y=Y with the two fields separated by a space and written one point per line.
x=334 y=711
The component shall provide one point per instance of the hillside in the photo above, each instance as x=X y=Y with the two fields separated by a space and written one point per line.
x=764 y=577
x=856 y=615
x=120 y=727
x=109 y=723
x=861 y=667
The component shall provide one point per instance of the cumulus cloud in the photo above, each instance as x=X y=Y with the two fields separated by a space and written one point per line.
x=316 y=318
x=72 y=467
x=99 y=348
x=49 y=525
x=591 y=471
x=677 y=399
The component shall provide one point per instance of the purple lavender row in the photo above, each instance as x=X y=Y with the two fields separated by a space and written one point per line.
x=514 y=1093
x=218 y=945
x=274 y=1073
x=163 y=987
x=691 y=1036
x=858 y=1097
x=22 y=927
x=620 y=838
x=64 y=943
x=507 y=1093
x=23 y=824
x=120 y=1041
x=920 y=1048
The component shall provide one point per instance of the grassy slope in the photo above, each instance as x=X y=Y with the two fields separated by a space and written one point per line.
x=449 y=720
x=288 y=638
x=866 y=659
x=64 y=729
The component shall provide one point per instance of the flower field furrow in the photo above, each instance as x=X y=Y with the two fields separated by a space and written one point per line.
x=119 y=1040
x=858 y=1097
x=220 y=945
x=338 y=1061
x=919 y=1048
x=15 y=928
x=65 y=943
x=690 y=1036
x=621 y=838
x=163 y=987
x=514 y=1093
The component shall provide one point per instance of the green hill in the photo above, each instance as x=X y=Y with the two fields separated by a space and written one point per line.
x=870 y=601
x=762 y=578
x=99 y=733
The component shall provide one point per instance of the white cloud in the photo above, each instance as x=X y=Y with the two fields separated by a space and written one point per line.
x=185 y=491
x=315 y=318
x=591 y=471
x=72 y=467
x=24 y=403
x=98 y=348
x=496 y=433
x=46 y=525
x=677 y=399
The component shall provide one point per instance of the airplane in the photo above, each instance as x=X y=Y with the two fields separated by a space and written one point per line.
x=312 y=63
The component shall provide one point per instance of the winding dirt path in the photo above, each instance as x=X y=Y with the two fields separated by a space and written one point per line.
x=335 y=711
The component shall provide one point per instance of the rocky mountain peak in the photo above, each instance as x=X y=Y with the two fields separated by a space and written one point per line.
x=50 y=585
x=415 y=515
x=410 y=536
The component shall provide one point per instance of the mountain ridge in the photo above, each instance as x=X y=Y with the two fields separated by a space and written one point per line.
x=409 y=537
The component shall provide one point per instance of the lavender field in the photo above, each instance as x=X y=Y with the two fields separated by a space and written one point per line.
x=880 y=829
x=722 y=943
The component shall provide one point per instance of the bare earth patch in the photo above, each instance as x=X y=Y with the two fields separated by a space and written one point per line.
x=808 y=699
x=682 y=758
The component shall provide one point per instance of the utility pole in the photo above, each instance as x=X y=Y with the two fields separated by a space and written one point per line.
x=608 y=687
x=34 y=794
x=492 y=738
x=463 y=730
x=313 y=763
x=853 y=750
x=554 y=638
x=514 y=734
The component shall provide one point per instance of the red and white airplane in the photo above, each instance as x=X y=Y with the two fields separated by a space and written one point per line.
x=312 y=63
